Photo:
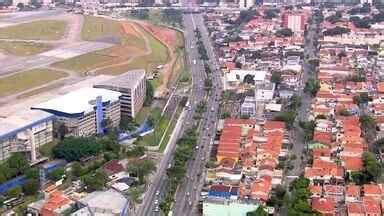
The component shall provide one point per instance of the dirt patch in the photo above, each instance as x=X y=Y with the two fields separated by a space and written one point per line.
x=166 y=35
x=129 y=29
x=170 y=39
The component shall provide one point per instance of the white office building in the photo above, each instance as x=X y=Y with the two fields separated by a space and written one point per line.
x=25 y=132
x=85 y=111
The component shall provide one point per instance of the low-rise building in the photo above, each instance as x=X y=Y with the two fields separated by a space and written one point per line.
x=108 y=202
x=56 y=203
x=248 y=108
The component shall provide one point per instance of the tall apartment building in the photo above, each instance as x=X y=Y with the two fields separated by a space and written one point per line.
x=85 y=111
x=295 y=21
x=132 y=86
x=25 y=132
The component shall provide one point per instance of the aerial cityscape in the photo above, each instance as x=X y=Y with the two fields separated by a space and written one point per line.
x=191 y=107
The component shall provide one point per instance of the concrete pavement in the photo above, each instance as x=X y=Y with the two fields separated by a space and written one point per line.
x=299 y=145
x=197 y=94
x=188 y=195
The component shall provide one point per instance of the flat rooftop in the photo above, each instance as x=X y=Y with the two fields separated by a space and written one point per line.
x=21 y=120
x=128 y=79
x=78 y=101
x=15 y=106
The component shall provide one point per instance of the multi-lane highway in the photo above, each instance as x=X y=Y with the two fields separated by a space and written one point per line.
x=157 y=187
x=188 y=193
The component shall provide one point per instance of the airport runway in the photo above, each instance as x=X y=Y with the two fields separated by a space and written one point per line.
x=15 y=64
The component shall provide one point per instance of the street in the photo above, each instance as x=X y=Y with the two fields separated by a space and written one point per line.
x=188 y=194
x=157 y=188
x=299 y=144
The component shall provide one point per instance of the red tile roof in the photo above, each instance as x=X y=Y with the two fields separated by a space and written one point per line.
x=323 y=137
x=55 y=201
x=352 y=191
x=372 y=207
x=352 y=163
x=113 y=167
x=324 y=205
x=274 y=125
x=261 y=188
x=239 y=122
x=333 y=189
x=315 y=189
x=371 y=190
x=321 y=152
x=380 y=87
x=355 y=208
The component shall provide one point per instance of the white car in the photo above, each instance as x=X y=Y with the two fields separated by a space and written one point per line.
x=157 y=193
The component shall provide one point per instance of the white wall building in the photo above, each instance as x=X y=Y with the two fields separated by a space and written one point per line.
x=85 y=111
x=132 y=86
x=236 y=77
x=25 y=132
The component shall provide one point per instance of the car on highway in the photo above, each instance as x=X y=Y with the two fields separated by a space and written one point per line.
x=156 y=201
x=156 y=209
x=157 y=193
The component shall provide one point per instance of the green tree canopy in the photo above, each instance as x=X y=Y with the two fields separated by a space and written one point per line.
x=336 y=31
x=56 y=174
x=334 y=18
x=31 y=187
x=284 y=32
x=271 y=13
x=149 y=93
x=14 y=192
x=141 y=168
x=312 y=86
x=297 y=203
x=276 y=77
x=18 y=162
x=75 y=148
x=94 y=181
x=258 y=212
x=371 y=165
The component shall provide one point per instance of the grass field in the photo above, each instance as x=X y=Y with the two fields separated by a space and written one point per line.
x=85 y=62
x=169 y=132
x=95 y=28
x=36 y=91
x=143 y=114
x=158 y=56
x=154 y=138
x=37 y=30
x=161 y=123
x=23 y=48
x=28 y=79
